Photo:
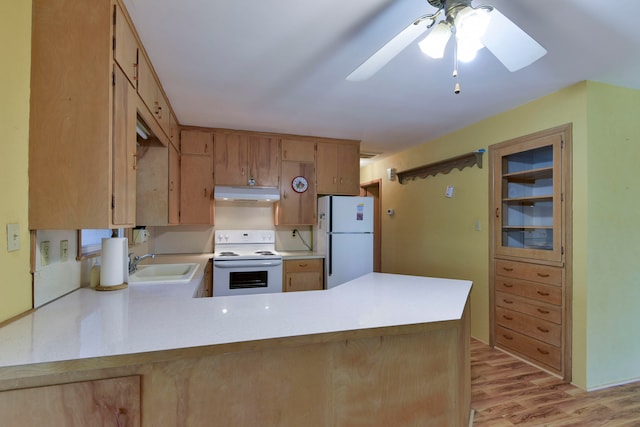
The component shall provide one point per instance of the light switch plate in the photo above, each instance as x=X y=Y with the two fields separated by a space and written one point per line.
x=45 y=253
x=13 y=237
x=449 y=192
x=64 y=250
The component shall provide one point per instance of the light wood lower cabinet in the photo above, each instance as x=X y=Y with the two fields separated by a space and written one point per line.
x=107 y=402
x=303 y=275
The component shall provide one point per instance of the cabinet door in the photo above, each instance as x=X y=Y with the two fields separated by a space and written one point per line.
x=327 y=174
x=264 y=164
x=230 y=159
x=125 y=49
x=196 y=142
x=174 y=185
x=527 y=194
x=196 y=189
x=296 y=208
x=303 y=275
x=348 y=169
x=298 y=150
x=109 y=402
x=124 y=151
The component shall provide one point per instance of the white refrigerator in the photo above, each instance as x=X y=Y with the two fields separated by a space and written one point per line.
x=345 y=235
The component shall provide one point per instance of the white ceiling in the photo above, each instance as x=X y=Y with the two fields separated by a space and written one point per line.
x=280 y=65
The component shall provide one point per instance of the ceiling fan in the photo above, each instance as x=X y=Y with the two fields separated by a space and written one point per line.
x=471 y=28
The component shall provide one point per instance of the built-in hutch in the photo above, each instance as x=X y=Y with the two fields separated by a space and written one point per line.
x=530 y=254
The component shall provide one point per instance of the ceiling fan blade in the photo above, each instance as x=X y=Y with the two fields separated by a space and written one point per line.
x=512 y=46
x=387 y=52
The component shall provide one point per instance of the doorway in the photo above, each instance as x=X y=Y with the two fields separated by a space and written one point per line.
x=372 y=189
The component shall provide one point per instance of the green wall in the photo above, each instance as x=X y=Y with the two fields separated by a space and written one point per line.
x=613 y=254
x=15 y=51
x=433 y=235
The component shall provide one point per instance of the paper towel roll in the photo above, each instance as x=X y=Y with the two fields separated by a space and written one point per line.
x=114 y=270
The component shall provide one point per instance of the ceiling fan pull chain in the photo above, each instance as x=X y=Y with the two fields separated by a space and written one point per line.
x=456 y=88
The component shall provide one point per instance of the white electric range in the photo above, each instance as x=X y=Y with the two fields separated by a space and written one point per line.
x=246 y=262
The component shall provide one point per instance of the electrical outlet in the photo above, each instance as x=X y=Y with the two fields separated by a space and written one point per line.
x=45 y=252
x=294 y=232
x=64 y=250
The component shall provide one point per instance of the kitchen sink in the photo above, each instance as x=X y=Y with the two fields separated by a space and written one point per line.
x=163 y=273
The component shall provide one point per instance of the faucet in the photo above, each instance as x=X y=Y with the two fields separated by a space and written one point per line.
x=133 y=263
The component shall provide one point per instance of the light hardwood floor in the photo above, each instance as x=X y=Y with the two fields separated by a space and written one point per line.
x=508 y=392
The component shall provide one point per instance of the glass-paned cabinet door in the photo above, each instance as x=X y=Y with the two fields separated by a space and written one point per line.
x=527 y=199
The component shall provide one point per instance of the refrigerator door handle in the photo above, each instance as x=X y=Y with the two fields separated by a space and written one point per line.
x=329 y=253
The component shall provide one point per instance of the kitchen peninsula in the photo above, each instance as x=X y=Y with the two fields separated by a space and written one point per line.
x=382 y=349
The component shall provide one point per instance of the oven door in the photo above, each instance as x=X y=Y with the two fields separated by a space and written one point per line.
x=245 y=277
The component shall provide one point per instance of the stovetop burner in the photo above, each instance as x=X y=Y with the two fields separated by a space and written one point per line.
x=228 y=253
x=264 y=253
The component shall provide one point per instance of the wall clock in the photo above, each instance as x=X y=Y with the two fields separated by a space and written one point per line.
x=299 y=184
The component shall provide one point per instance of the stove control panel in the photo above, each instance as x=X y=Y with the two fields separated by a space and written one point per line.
x=244 y=236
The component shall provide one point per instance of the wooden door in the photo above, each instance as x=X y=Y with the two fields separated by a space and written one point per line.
x=264 y=164
x=230 y=160
x=124 y=151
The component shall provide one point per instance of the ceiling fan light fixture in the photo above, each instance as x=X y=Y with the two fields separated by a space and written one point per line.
x=436 y=41
x=472 y=23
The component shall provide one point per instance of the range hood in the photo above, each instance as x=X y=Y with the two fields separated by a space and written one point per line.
x=248 y=193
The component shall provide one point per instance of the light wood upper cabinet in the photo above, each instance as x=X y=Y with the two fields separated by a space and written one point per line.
x=296 y=208
x=298 y=150
x=125 y=46
x=196 y=177
x=152 y=95
x=124 y=151
x=338 y=168
x=77 y=133
x=174 y=185
x=242 y=159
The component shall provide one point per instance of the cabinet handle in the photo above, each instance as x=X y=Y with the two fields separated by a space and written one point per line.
x=543 y=311
x=507 y=336
x=135 y=72
x=506 y=301
x=507 y=285
x=541 y=329
x=135 y=161
x=497 y=212
x=543 y=275
x=289 y=281
x=334 y=179
x=302 y=265
x=545 y=352
x=507 y=317
x=170 y=185
x=284 y=154
x=206 y=148
x=507 y=268
x=340 y=180
x=242 y=171
x=544 y=294
x=205 y=192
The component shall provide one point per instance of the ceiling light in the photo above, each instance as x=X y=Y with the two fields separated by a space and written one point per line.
x=434 y=44
x=472 y=23
x=468 y=47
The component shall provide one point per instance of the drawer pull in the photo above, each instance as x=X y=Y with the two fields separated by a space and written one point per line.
x=504 y=316
x=303 y=265
x=543 y=275
x=509 y=337
x=506 y=301
x=545 y=352
x=543 y=311
x=544 y=294
x=541 y=329
x=507 y=268
x=507 y=285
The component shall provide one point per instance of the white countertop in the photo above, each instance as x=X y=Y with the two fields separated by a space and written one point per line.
x=143 y=318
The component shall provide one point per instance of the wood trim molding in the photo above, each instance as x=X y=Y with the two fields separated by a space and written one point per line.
x=443 y=166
